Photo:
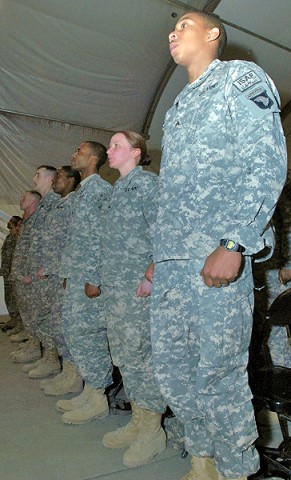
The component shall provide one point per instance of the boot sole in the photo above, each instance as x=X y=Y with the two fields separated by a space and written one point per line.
x=82 y=422
x=119 y=447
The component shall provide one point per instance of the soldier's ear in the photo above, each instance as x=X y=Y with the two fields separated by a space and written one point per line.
x=213 y=34
x=136 y=152
x=93 y=158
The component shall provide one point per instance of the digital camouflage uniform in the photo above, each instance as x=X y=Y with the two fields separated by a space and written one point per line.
x=51 y=288
x=19 y=269
x=223 y=167
x=33 y=258
x=127 y=253
x=83 y=321
x=7 y=251
x=267 y=283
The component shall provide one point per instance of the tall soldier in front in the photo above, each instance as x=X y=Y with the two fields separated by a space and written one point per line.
x=222 y=171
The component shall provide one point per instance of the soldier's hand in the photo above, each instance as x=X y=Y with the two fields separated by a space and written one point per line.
x=26 y=280
x=92 y=291
x=150 y=272
x=40 y=273
x=144 y=289
x=221 y=268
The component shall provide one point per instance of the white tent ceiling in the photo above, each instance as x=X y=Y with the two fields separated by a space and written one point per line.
x=73 y=70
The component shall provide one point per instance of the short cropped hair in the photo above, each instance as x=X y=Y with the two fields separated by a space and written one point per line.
x=213 y=21
x=70 y=173
x=50 y=170
x=15 y=219
x=37 y=196
x=99 y=151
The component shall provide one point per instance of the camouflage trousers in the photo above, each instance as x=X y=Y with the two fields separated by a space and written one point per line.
x=200 y=339
x=10 y=298
x=128 y=324
x=49 y=315
x=277 y=340
x=33 y=305
x=85 y=334
x=25 y=304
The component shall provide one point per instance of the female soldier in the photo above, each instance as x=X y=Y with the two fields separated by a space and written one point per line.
x=127 y=252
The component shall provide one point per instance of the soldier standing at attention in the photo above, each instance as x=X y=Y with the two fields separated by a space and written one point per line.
x=130 y=222
x=83 y=321
x=42 y=180
x=50 y=285
x=28 y=203
x=7 y=250
x=223 y=168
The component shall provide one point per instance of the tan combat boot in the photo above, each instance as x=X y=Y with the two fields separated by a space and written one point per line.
x=95 y=406
x=150 y=441
x=30 y=366
x=16 y=329
x=75 y=402
x=203 y=468
x=49 y=366
x=50 y=381
x=124 y=436
x=30 y=352
x=68 y=381
x=59 y=378
x=20 y=337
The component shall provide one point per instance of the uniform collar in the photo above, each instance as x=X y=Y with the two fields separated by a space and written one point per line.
x=83 y=182
x=191 y=86
x=129 y=176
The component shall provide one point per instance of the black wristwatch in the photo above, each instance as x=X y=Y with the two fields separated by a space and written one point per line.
x=231 y=246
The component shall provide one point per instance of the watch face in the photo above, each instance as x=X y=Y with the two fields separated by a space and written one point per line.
x=230 y=245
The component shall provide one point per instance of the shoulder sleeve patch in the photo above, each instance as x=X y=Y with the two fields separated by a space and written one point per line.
x=259 y=100
x=246 y=81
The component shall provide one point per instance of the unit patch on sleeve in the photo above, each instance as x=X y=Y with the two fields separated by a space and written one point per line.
x=247 y=80
x=259 y=100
